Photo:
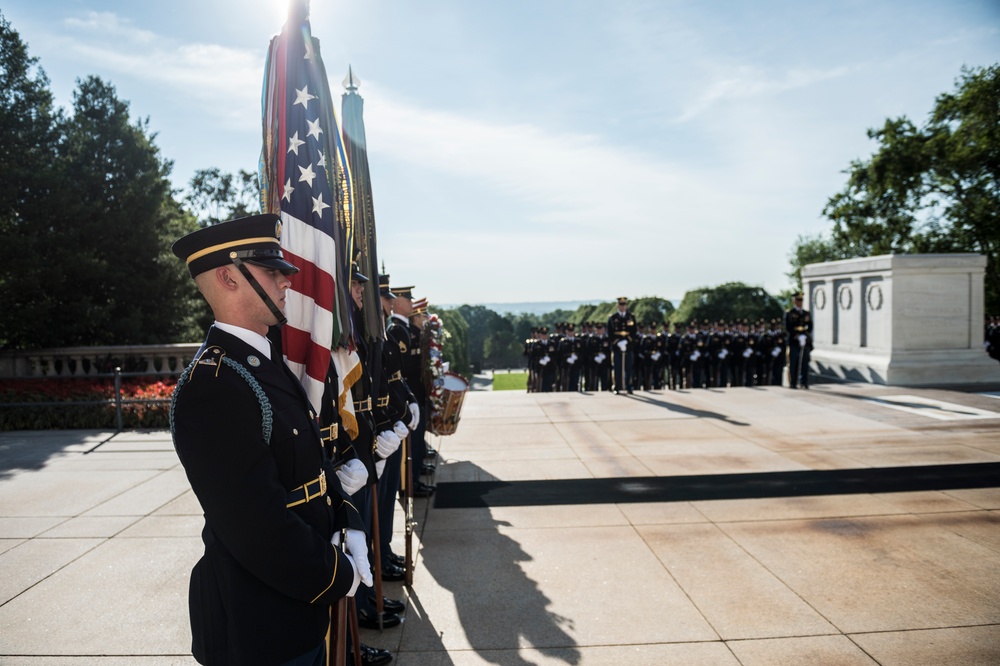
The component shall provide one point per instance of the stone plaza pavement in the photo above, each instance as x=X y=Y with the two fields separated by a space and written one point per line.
x=98 y=533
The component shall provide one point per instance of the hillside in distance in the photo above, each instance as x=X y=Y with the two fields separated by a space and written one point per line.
x=538 y=307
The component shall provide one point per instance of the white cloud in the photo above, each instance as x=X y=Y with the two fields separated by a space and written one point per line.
x=746 y=82
x=222 y=81
x=583 y=180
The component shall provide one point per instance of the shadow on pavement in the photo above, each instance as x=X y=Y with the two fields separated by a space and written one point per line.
x=496 y=602
x=33 y=449
x=687 y=411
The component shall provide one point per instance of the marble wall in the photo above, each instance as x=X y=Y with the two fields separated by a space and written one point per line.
x=900 y=319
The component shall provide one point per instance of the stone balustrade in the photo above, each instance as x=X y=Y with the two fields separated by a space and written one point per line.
x=167 y=360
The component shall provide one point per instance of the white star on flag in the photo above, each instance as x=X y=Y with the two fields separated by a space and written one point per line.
x=302 y=96
x=314 y=129
x=294 y=143
x=318 y=205
x=322 y=160
x=307 y=175
x=286 y=193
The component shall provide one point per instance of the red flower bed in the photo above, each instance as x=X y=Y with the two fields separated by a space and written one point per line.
x=89 y=403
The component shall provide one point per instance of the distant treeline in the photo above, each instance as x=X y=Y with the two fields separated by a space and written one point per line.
x=479 y=338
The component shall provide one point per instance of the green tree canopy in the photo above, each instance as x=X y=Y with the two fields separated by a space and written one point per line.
x=215 y=196
x=89 y=218
x=934 y=188
x=728 y=302
x=455 y=346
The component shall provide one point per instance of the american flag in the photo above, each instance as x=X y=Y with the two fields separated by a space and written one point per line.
x=304 y=178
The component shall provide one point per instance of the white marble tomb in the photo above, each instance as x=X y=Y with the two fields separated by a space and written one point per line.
x=902 y=320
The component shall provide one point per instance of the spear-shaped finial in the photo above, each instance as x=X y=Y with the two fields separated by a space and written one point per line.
x=351 y=82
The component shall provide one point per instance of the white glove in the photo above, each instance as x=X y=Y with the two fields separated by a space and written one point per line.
x=723 y=354
x=571 y=359
x=414 y=415
x=386 y=443
x=696 y=355
x=335 y=540
x=357 y=547
x=623 y=344
x=775 y=352
x=400 y=430
x=357 y=576
x=802 y=340
x=600 y=357
x=747 y=353
x=379 y=468
x=353 y=476
x=544 y=360
x=655 y=356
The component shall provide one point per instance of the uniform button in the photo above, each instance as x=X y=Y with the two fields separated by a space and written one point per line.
x=329 y=502
x=295 y=431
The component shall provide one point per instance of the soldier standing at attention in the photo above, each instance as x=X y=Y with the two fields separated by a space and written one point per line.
x=602 y=358
x=622 y=331
x=798 y=325
x=250 y=444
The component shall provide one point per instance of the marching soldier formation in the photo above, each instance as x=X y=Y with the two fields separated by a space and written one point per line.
x=298 y=505
x=625 y=355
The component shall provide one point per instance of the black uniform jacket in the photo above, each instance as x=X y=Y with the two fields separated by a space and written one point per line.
x=398 y=340
x=622 y=327
x=261 y=592
x=413 y=367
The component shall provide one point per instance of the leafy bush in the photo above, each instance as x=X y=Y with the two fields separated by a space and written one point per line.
x=89 y=403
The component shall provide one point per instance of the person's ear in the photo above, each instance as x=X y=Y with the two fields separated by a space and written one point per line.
x=225 y=277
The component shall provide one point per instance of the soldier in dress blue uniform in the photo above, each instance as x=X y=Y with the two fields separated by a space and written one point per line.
x=991 y=337
x=413 y=375
x=602 y=358
x=675 y=358
x=571 y=359
x=623 y=333
x=403 y=407
x=547 y=354
x=250 y=445
x=798 y=326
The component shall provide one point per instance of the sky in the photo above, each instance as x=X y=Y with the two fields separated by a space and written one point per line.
x=550 y=150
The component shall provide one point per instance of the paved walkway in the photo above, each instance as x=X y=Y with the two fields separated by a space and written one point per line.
x=98 y=533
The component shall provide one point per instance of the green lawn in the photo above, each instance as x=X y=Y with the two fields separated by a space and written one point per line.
x=514 y=381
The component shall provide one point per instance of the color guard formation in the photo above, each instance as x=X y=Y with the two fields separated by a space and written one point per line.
x=299 y=503
x=624 y=355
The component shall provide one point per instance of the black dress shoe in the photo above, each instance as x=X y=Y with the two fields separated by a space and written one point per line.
x=390 y=605
x=390 y=572
x=427 y=470
x=423 y=489
x=398 y=560
x=369 y=619
x=431 y=453
x=371 y=656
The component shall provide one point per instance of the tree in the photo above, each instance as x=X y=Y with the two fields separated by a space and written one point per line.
x=728 y=302
x=28 y=136
x=455 y=346
x=813 y=250
x=931 y=189
x=482 y=323
x=216 y=196
x=91 y=264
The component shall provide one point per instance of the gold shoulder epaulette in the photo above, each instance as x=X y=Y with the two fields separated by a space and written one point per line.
x=210 y=358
